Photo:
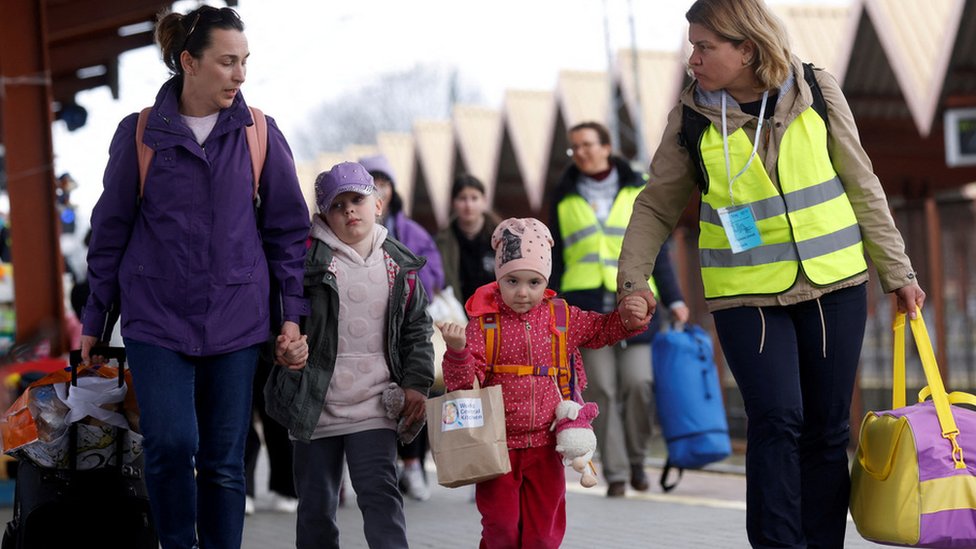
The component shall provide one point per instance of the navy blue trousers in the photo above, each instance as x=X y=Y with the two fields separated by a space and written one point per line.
x=795 y=367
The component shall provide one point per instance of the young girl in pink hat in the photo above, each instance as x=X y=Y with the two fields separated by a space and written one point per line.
x=535 y=359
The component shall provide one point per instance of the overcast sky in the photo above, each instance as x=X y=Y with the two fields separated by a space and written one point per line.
x=307 y=51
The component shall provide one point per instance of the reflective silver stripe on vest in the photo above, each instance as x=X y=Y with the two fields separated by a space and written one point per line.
x=828 y=243
x=590 y=258
x=614 y=231
x=761 y=255
x=786 y=251
x=579 y=235
x=774 y=206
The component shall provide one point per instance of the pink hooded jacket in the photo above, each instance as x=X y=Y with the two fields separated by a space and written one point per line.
x=526 y=339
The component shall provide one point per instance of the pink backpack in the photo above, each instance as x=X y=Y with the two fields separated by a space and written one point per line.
x=257 y=144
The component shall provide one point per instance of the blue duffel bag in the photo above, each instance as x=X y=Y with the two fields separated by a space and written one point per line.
x=689 y=401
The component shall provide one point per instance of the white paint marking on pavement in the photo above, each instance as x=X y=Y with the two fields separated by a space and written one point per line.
x=664 y=498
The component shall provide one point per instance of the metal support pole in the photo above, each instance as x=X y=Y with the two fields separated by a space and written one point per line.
x=643 y=155
x=612 y=125
x=25 y=101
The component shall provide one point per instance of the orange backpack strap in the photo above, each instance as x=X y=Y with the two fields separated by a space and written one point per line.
x=489 y=325
x=566 y=377
x=257 y=146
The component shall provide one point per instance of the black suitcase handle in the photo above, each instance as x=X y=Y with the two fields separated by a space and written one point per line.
x=118 y=353
x=74 y=359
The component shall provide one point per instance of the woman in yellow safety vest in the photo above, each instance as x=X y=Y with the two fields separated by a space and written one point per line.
x=789 y=204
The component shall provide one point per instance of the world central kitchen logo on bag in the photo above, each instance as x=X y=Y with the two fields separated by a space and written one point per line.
x=462 y=413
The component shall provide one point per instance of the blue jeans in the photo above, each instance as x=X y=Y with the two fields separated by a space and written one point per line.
x=795 y=367
x=194 y=415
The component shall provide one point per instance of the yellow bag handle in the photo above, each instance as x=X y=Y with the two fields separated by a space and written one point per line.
x=955 y=397
x=939 y=397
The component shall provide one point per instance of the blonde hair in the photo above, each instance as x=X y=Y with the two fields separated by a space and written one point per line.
x=741 y=20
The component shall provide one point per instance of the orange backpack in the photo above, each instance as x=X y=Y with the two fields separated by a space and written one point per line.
x=562 y=370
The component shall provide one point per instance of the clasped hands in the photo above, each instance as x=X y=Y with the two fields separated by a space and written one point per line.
x=291 y=347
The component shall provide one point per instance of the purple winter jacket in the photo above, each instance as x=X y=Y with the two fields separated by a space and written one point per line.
x=189 y=266
x=419 y=241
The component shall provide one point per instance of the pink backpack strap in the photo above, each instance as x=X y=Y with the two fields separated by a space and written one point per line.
x=257 y=145
x=143 y=153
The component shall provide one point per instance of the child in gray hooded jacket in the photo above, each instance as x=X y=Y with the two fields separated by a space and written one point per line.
x=367 y=328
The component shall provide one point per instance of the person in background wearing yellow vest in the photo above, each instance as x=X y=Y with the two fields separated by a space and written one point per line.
x=524 y=339
x=592 y=206
x=784 y=221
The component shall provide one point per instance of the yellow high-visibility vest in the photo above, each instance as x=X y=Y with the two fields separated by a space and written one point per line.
x=807 y=222
x=591 y=250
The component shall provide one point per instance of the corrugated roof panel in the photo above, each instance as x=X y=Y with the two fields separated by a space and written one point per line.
x=822 y=35
x=531 y=117
x=479 y=136
x=661 y=75
x=918 y=36
x=398 y=148
x=961 y=77
x=583 y=96
x=325 y=160
x=307 y=172
x=870 y=85
x=435 y=149
x=356 y=151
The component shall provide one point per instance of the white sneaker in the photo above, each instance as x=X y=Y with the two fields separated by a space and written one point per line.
x=283 y=504
x=248 y=505
x=413 y=477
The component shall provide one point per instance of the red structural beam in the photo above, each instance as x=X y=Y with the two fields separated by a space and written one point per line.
x=25 y=103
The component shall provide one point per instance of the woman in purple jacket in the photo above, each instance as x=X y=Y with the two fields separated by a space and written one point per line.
x=189 y=264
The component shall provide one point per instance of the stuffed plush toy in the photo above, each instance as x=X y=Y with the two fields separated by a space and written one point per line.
x=575 y=440
x=393 y=401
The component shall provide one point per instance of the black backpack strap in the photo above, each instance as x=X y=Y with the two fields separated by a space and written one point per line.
x=819 y=103
x=665 y=485
x=693 y=126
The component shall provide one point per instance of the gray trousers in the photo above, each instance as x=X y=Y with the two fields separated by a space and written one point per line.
x=371 y=456
x=619 y=382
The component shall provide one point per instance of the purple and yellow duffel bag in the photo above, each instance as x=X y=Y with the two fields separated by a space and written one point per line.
x=913 y=480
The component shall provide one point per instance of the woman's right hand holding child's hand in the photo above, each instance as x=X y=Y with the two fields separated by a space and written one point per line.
x=453 y=335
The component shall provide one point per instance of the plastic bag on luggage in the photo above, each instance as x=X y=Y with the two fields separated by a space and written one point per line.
x=35 y=426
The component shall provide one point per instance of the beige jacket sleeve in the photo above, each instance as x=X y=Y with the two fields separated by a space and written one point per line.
x=657 y=208
x=881 y=238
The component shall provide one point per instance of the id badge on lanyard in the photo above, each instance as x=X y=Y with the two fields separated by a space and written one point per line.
x=738 y=221
x=740 y=227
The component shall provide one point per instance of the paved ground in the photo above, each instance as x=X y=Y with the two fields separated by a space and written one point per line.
x=706 y=510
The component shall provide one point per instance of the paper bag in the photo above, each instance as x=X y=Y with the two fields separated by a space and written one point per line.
x=467 y=435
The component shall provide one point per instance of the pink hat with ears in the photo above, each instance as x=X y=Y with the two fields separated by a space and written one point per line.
x=522 y=243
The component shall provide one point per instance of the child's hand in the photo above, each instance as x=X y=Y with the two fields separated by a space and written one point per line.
x=636 y=310
x=453 y=335
x=413 y=406
x=636 y=306
x=290 y=353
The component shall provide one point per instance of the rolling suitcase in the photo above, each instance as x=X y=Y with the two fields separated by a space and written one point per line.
x=689 y=401
x=105 y=507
